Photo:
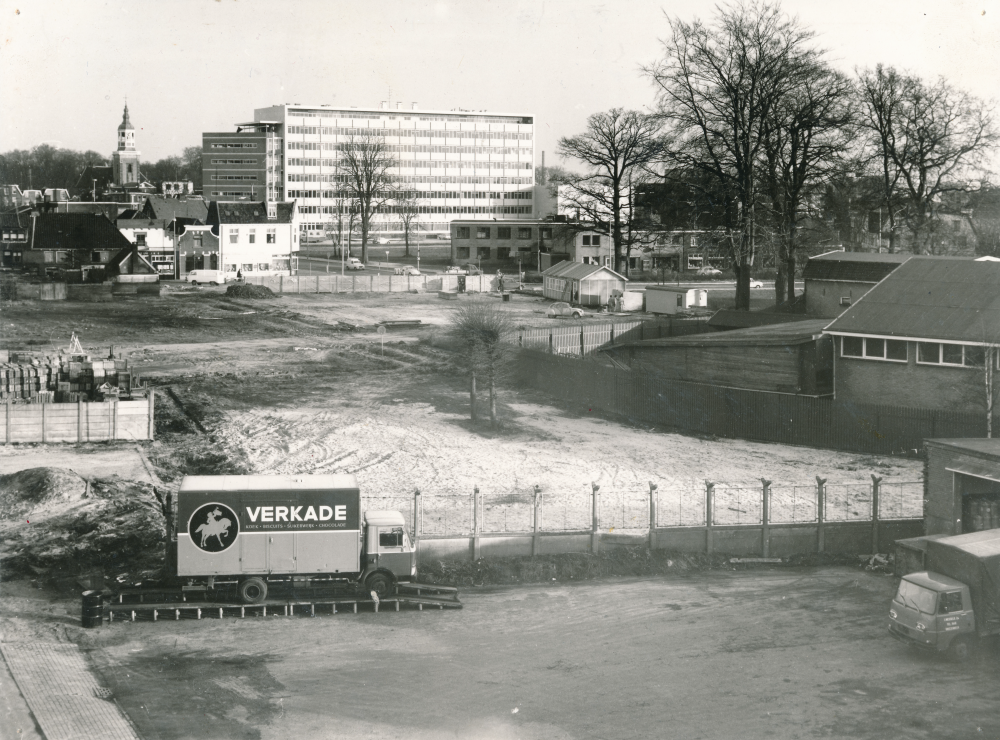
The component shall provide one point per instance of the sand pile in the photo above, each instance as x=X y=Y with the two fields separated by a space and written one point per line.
x=53 y=522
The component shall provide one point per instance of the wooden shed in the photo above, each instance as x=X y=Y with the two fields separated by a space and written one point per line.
x=782 y=358
x=586 y=285
x=962 y=485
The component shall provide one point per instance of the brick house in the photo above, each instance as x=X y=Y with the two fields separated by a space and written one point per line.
x=922 y=336
x=499 y=243
x=71 y=243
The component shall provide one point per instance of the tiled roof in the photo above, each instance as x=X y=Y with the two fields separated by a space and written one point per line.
x=793 y=332
x=15 y=219
x=159 y=206
x=578 y=271
x=861 y=267
x=930 y=298
x=247 y=212
x=76 y=231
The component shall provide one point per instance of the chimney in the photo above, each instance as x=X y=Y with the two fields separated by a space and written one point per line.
x=384 y=105
x=414 y=105
x=399 y=106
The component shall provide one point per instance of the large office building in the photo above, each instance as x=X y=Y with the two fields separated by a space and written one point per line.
x=457 y=164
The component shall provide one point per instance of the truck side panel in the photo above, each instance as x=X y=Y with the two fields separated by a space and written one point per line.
x=973 y=559
x=336 y=552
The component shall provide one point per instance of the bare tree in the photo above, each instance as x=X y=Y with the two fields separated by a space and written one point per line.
x=367 y=165
x=483 y=327
x=616 y=146
x=407 y=208
x=717 y=88
x=806 y=138
x=928 y=139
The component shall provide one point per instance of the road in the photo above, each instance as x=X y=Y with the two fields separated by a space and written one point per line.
x=790 y=653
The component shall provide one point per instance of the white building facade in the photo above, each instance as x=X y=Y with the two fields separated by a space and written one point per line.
x=459 y=164
x=255 y=239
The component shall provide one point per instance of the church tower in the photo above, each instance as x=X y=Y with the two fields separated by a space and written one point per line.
x=125 y=160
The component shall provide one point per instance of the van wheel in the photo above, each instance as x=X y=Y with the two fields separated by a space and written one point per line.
x=253 y=591
x=960 y=649
x=194 y=282
x=380 y=583
x=214 y=283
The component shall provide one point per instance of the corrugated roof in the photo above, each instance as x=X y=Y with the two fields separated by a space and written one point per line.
x=578 y=271
x=729 y=318
x=795 y=332
x=862 y=267
x=930 y=298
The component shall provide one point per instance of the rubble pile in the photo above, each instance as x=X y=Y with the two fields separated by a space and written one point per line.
x=55 y=523
x=244 y=290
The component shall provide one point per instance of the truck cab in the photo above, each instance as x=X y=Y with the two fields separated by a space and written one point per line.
x=387 y=554
x=934 y=612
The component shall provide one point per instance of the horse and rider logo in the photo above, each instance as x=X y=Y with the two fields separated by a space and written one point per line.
x=213 y=527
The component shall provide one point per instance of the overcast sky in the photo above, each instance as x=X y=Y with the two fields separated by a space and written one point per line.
x=188 y=66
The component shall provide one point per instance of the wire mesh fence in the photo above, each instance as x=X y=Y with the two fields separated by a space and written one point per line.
x=793 y=504
x=513 y=511
x=680 y=507
x=737 y=505
x=847 y=502
x=901 y=500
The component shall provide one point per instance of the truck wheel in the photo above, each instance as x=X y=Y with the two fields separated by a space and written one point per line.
x=960 y=649
x=380 y=583
x=253 y=590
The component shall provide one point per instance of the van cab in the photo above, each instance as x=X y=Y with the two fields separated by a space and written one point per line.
x=934 y=612
x=211 y=277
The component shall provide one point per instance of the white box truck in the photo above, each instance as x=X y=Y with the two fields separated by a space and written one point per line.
x=249 y=531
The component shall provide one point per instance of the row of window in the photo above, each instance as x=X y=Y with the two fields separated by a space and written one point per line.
x=928 y=353
x=484 y=253
x=234 y=145
x=407 y=133
x=234 y=161
x=416 y=194
x=428 y=163
x=503 y=232
x=229 y=193
x=14 y=236
x=425 y=179
x=444 y=210
x=234 y=236
x=219 y=178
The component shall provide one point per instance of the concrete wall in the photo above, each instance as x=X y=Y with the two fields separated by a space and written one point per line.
x=77 y=422
x=908 y=384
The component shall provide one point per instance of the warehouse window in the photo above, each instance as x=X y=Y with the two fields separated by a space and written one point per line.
x=545 y=233
x=871 y=348
x=462 y=232
x=523 y=232
x=503 y=232
x=462 y=253
x=483 y=232
x=939 y=353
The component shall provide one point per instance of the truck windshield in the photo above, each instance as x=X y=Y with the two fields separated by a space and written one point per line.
x=917 y=597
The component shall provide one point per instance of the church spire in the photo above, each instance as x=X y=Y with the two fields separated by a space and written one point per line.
x=125 y=124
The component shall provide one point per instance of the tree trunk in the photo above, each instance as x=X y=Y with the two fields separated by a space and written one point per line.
x=493 y=405
x=742 y=287
x=406 y=240
x=472 y=396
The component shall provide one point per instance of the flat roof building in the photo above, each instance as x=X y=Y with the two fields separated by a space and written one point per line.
x=457 y=164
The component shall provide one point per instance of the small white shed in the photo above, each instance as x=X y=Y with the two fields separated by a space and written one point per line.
x=665 y=299
x=586 y=285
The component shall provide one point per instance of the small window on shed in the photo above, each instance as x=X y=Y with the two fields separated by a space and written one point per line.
x=852 y=346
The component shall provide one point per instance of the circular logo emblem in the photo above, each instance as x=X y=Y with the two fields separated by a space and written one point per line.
x=213 y=527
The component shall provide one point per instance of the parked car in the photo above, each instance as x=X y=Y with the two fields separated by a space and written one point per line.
x=755 y=283
x=709 y=271
x=472 y=269
x=408 y=270
x=207 y=277
x=564 y=309
x=454 y=270
x=353 y=263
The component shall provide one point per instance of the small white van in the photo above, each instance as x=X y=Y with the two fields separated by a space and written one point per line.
x=209 y=277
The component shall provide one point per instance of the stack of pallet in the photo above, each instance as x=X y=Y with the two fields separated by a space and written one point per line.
x=29 y=378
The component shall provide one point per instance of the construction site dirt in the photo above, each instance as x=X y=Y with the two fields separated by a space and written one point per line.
x=303 y=383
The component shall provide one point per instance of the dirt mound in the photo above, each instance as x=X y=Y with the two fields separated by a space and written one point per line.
x=249 y=291
x=58 y=525
x=42 y=489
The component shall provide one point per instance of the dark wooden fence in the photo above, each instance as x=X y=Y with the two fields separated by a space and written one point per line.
x=585 y=385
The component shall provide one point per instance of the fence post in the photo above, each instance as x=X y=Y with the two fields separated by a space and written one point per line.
x=317 y=279
x=820 y=514
x=765 y=518
x=152 y=406
x=7 y=407
x=43 y=422
x=612 y=333
x=477 y=523
x=876 y=489
x=595 y=535
x=583 y=343
x=281 y=283
x=79 y=420
x=536 y=537
x=652 y=515
x=114 y=419
x=709 y=505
